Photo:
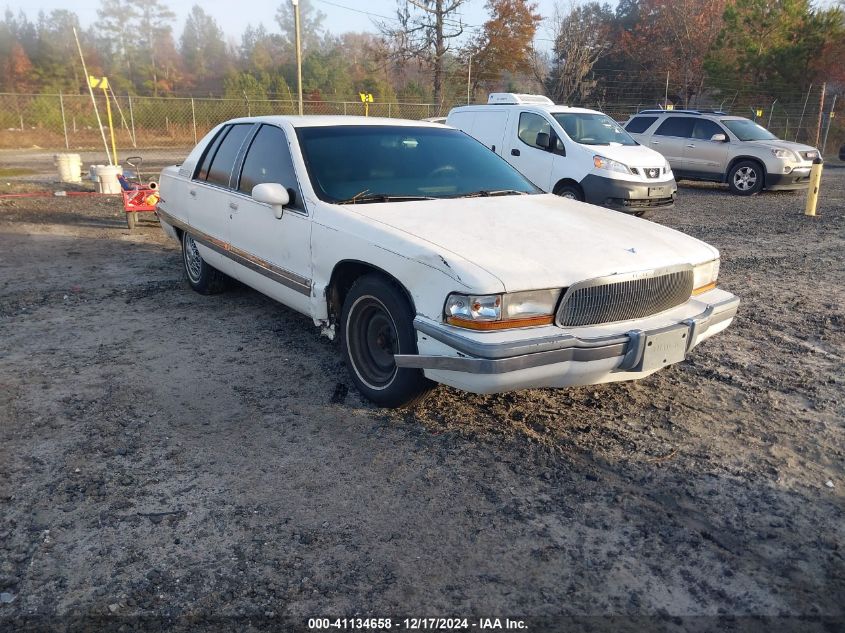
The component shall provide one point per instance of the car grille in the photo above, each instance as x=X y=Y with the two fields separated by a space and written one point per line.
x=624 y=297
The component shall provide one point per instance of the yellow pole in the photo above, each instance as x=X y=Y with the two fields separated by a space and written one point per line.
x=111 y=126
x=813 y=190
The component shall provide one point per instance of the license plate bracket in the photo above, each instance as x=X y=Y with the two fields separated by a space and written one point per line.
x=664 y=348
x=657 y=192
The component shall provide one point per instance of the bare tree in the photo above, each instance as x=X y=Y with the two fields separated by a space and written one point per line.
x=580 y=39
x=423 y=31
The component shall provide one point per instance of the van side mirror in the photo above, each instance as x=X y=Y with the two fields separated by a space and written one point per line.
x=543 y=140
x=719 y=138
x=274 y=194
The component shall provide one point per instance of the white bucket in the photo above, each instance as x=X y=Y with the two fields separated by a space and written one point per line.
x=70 y=167
x=107 y=178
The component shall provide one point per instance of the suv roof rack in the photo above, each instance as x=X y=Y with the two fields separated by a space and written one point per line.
x=700 y=111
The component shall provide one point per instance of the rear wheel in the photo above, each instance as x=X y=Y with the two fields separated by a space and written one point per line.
x=376 y=324
x=201 y=277
x=746 y=178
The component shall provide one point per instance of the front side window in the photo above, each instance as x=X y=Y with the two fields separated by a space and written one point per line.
x=223 y=162
x=381 y=163
x=747 y=130
x=592 y=128
x=530 y=125
x=268 y=160
x=680 y=126
x=704 y=129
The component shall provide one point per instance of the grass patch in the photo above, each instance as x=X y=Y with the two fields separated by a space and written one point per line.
x=6 y=172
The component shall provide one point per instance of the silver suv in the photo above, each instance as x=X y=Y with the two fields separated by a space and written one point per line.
x=712 y=145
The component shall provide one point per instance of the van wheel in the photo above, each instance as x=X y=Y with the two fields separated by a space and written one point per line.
x=201 y=277
x=376 y=324
x=746 y=178
x=570 y=192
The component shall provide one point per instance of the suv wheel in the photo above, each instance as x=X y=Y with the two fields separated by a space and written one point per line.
x=746 y=178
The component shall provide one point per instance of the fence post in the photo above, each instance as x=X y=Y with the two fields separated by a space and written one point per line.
x=829 y=121
x=388 y=110
x=803 y=110
x=771 y=112
x=194 y=119
x=821 y=112
x=18 y=108
x=64 y=122
x=132 y=120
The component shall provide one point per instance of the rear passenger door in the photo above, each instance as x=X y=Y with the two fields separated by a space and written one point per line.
x=276 y=252
x=671 y=138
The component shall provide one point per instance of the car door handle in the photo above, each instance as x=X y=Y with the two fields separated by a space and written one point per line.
x=691 y=145
x=193 y=193
x=655 y=142
x=514 y=152
x=233 y=206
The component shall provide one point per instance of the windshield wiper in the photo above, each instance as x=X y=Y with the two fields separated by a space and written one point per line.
x=486 y=193
x=365 y=196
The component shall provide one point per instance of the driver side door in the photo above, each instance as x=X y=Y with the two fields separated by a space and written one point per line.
x=276 y=252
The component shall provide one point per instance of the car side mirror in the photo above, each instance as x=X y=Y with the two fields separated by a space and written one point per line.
x=720 y=138
x=274 y=194
x=543 y=140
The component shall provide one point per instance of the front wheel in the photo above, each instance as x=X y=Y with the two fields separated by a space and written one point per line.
x=746 y=178
x=201 y=277
x=376 y=324
x=570 y=192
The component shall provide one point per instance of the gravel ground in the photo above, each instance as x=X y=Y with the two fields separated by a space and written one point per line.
x=181 y=462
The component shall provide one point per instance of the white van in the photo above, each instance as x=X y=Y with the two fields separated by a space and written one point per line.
x=573 y=152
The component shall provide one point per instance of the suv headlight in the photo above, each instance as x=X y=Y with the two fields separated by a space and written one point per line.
x=704 y=277
x=600 y=162
x=785 y=154
x=502 y=311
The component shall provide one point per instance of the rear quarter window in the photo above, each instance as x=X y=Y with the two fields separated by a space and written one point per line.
x=639 y=124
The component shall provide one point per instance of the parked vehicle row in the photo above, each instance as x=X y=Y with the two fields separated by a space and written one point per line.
x=435 y=260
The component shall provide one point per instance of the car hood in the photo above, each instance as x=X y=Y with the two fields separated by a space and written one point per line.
x=631 y=155
x=538 y=241
x=778 y=144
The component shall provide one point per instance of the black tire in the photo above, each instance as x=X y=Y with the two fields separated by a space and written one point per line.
x=746 y=178
x=201 y=277
x=376 y=322
x=569 y=191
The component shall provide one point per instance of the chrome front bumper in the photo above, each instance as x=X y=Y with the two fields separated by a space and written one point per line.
x=500 y=358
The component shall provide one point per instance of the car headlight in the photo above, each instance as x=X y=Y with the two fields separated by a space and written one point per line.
x=784 y=154
x=704 y=277
x=502 y=311
x=600 y=162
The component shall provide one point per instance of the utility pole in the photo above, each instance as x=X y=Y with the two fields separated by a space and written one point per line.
x=295 y=4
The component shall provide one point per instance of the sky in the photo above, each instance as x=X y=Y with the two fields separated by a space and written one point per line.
x=341 y=15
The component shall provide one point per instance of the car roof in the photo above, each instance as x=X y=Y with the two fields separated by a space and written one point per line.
x=552 y=109
x=319 y=120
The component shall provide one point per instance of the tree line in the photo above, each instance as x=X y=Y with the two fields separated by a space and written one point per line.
x=584 y=53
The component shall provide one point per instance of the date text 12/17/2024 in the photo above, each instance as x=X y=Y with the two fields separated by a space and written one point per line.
x=416 y=624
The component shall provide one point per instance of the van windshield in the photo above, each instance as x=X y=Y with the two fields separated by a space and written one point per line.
x=592 y=129
x=747 y=130
x=354 y=164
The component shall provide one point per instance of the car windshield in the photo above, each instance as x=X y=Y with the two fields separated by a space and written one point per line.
x=383 y=163
x=592 y=129
x=747 y=130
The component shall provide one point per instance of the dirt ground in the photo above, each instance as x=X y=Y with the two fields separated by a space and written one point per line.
x=170 y=461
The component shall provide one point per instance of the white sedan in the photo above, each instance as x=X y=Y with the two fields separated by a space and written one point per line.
x=434 y=259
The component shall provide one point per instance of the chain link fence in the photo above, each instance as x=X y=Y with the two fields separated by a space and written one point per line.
x=171 y=126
